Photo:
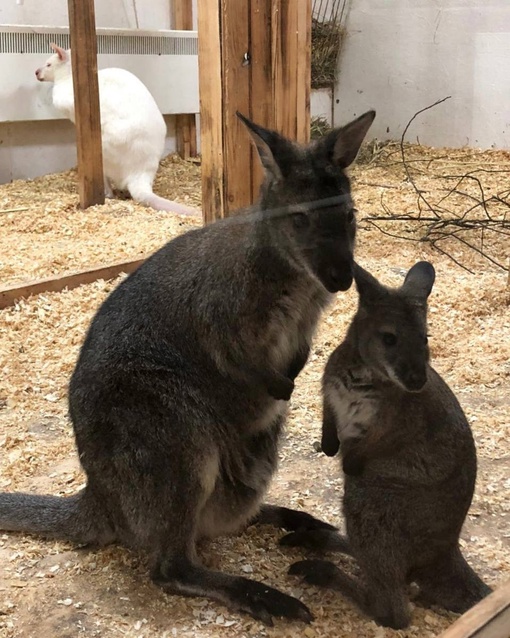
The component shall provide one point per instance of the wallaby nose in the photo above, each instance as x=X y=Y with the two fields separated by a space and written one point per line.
x=415 y=380
x=341 y=278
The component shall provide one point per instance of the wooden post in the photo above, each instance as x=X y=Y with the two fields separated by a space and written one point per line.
x=82 y=30
x=211 y=120
x=185 y=123
x=254 y=56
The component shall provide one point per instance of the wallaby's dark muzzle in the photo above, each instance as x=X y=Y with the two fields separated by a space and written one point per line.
x=339 y=277
x=414 y=380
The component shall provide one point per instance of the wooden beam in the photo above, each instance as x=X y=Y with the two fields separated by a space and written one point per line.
x=211 y=104
x=262 y=107
x=9 y=295
x=304 y=71
x=490 y=618
x=82 y=29
x=235 y=34
x=185 y=124
x=182 y=14
x=271 y=86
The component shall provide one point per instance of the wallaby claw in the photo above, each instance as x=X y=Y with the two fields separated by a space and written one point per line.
x=263 y=603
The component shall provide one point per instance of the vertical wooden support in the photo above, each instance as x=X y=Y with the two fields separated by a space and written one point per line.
x=254 y=56
x=291 y=52
x=185 y=123
x=211 y=104
x=82 y=29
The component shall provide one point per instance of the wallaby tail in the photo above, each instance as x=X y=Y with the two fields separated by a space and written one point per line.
x=140 y=190
x=61 y=517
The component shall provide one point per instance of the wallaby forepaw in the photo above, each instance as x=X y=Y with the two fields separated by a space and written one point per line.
x=352 y=464
x=263 y=603
x=281 y=389
x=314 y=572
x=295 y=520
x=296 y=539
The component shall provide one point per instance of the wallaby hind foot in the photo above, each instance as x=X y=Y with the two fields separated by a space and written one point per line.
x=319 y=540
x=289 y=519
x=182 y=576
x=388 y=605
x=451 y=583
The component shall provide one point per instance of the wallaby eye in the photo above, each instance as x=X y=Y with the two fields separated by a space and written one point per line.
x=48 y=64
x=351 y=214
x=388 y=338
x=300 y=220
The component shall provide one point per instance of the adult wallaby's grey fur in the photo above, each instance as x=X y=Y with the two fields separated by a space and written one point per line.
x=408 y=456
x=179 y=394
x=133 y=130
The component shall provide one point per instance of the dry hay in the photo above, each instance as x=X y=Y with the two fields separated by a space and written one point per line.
x=326 y=45
x=53 y=589
x=319 y=126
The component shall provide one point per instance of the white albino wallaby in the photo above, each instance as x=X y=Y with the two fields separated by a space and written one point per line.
x=132 y=128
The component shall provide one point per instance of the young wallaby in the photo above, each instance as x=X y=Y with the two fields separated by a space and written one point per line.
x=133 y=130
x=408 y=456
x=179 y=395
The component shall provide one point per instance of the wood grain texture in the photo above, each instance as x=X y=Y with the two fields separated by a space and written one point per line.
x=181 y=13
x=490 y=618
x=273 y=90
x=262 y=107
x=211 y=109
x=235 y=34
x=185 y=124
x=86 y=102
x=8 y=296
x=304 y=71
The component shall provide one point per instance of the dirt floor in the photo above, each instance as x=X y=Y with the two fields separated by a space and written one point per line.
x=54 y=590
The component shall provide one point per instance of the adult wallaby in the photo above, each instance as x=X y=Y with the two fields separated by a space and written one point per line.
x=133 y=130
x=408 y=456
x=179 y=395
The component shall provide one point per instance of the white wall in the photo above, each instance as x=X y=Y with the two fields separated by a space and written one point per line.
x=402 y=55
x=30 y=149
x=140 y=14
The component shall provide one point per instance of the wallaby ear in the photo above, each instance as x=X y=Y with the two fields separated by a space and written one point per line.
x=273 y=149
x=342 y=144
x=62 y=53
x=369 y=288
x=419 y=280
x=329 y=443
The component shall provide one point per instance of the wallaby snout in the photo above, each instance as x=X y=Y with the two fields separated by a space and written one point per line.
x=338 y=276
x=413 y=377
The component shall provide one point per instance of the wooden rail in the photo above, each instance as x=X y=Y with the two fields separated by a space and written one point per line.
x=489 y=619
x=9 y=295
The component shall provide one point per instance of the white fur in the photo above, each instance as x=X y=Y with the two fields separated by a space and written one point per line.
x=355 y=410
x=133 y=130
